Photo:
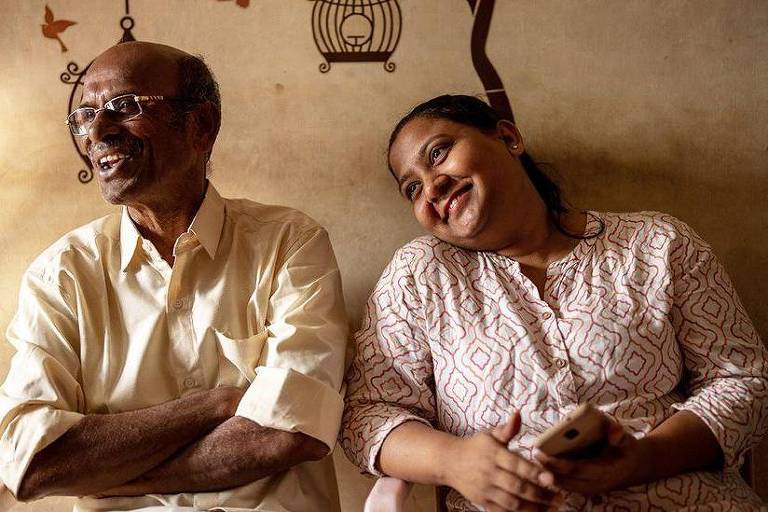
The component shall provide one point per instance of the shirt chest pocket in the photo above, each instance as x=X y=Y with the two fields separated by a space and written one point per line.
x=238 y=358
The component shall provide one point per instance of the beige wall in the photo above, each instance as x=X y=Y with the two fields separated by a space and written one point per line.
x=638 y=105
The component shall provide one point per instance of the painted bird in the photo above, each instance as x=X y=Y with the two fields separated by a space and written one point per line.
x=53 y=28
x=241 y=3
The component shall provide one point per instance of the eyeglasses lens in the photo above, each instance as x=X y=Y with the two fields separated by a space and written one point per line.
x=121 y=109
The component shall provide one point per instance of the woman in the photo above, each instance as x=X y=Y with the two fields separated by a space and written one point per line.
x=516 y=309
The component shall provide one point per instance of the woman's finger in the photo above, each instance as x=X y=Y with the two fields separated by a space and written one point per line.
x=522 y=488
x=505 y=501
x=508 y=430
x=558 y=465
x=515 y=464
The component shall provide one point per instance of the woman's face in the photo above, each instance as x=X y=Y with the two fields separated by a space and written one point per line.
x=467 y=187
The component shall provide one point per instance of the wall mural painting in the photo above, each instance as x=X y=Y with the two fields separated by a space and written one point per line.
x=53 y=27
x=356 y=31
x=344 y=31
x=494 y=88
x=241 y=3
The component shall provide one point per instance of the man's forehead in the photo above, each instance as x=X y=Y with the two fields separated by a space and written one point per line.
x=142 y=68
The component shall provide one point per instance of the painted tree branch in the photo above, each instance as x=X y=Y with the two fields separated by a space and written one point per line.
x=494 y=88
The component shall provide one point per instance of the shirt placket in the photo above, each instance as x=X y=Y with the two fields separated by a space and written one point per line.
x=178 y=308
x=554 y=329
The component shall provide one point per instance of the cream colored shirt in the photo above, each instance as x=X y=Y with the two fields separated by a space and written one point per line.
x=105 y=325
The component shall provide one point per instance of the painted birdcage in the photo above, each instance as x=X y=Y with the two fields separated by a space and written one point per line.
x=356 y=31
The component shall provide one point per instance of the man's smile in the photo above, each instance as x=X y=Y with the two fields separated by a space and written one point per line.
x=109 y=159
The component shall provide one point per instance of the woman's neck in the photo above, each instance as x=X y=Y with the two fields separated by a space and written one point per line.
x=548 y=243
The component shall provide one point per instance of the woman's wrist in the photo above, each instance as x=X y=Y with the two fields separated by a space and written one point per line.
x=446 y=464
x=650 y=455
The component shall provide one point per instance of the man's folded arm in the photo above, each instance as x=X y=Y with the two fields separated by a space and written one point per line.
x=236 y=453
x=102 y=451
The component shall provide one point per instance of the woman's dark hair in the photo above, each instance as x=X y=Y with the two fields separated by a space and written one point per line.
x=471 y=111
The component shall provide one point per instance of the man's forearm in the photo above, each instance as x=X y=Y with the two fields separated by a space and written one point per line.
x=237 y=452
x=106 y=450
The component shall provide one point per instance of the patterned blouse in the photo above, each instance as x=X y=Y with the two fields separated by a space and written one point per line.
x=641 y=321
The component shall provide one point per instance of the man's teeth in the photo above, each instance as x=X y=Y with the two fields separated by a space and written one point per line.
x=106 y=161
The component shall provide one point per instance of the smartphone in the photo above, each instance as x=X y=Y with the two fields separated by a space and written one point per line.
x=580 y=432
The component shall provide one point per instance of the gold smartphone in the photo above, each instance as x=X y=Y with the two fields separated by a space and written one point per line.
x=579 y=432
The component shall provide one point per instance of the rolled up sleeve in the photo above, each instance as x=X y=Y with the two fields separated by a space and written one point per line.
x=297 y=384
x=725 y=360
x=41 y=397
x=391 y=379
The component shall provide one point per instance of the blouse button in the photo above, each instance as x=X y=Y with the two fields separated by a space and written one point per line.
x=560 y=363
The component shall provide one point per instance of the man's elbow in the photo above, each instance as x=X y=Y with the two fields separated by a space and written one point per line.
x=31 y=487
x=313 y=449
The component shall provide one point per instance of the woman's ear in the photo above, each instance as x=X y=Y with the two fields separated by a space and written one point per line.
x=509 y=134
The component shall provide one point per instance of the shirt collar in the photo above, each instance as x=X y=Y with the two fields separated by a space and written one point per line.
x=129 y=239
x=206 y=226
x=209 y=221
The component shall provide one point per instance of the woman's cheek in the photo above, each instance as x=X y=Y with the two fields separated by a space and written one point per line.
x=426 y=213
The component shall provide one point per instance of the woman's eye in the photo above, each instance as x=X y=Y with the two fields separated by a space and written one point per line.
x=410 y=190
x=436 y=153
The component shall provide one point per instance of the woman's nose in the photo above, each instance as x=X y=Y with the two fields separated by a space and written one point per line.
x=436 y=188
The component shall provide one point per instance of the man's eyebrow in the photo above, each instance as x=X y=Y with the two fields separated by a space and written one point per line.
x=111 y=97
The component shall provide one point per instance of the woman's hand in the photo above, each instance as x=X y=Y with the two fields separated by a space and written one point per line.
x=623 y=462
x=484 y=471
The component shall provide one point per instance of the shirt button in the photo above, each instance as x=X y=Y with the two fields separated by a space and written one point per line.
x=190 y=382
x=560 y=363
x=178 y=304
x=547 y=315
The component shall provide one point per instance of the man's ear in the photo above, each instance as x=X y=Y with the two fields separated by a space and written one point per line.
x=510 y=135
x=207 y=121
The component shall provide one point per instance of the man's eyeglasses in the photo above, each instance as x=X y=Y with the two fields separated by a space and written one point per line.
x=123 y=108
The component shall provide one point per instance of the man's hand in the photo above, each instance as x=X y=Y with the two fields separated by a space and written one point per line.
x=623 y=462
x=226 y=398
x=489 y=475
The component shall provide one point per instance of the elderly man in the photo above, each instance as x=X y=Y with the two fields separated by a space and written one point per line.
x=187 y=352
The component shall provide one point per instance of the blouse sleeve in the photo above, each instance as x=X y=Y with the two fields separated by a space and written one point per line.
x=725 y=361
x=390 y=380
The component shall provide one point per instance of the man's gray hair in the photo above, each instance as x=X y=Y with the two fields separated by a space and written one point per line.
x=197 y=83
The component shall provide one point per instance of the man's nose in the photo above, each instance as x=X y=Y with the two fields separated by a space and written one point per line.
x=103 y=124
x=436 y=188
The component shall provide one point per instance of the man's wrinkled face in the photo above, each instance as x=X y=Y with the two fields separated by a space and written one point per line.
x=139 y=160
